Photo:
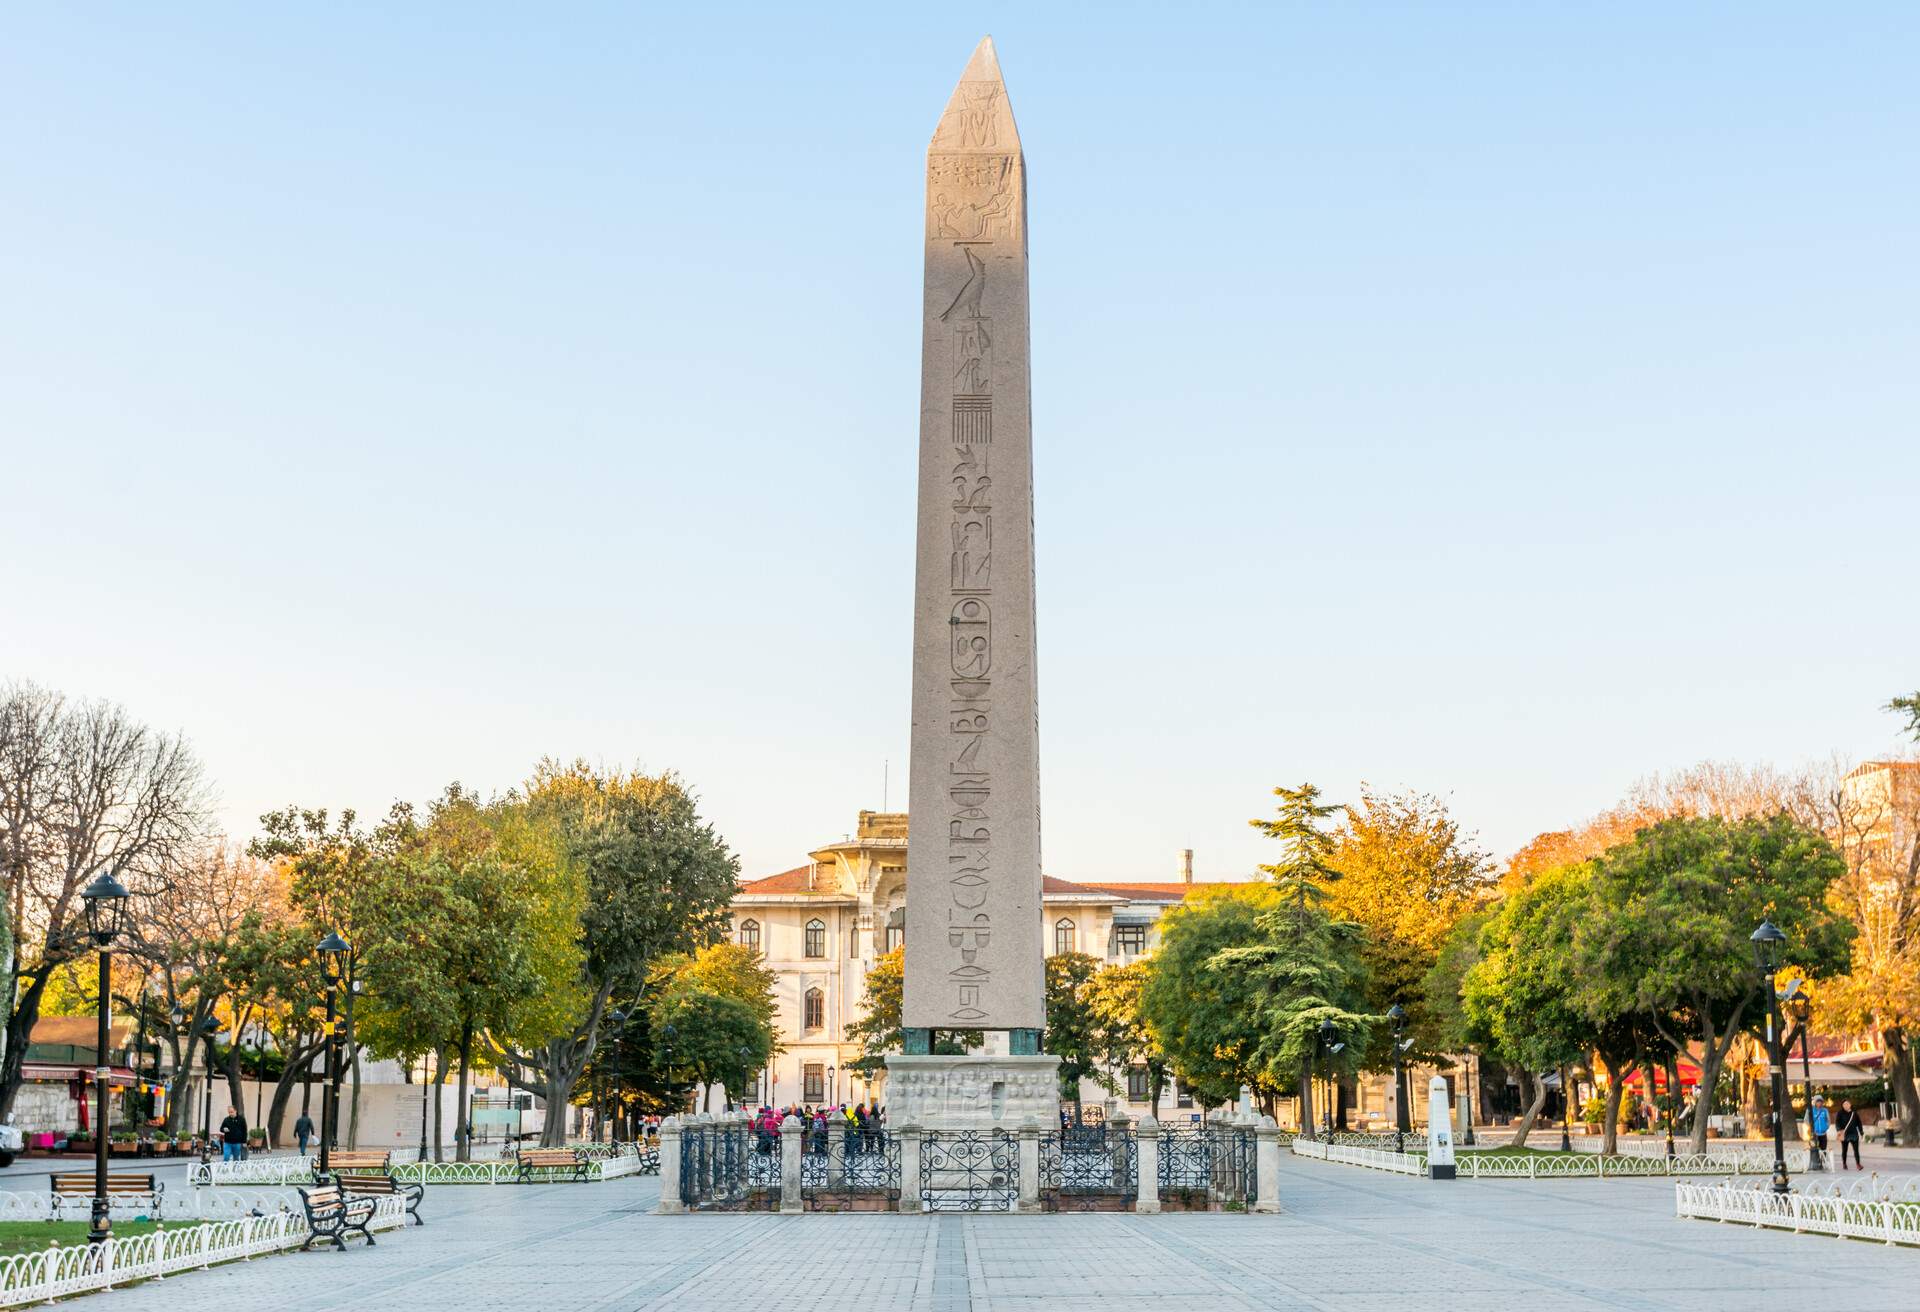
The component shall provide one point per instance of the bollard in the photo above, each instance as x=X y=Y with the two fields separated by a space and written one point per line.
x=670 y=1167
x=1147 y=1203
x=1440 y=1133
x=1266 y=1166
x=1029 y=1197
x=910 y=1168
x=790 y=1135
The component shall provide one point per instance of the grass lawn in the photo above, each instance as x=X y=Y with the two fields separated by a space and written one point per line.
x=33 y=1236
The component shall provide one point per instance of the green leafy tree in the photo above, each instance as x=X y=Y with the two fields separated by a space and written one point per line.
x=1125 y=1038
x=1909 y=707
x=1073 y=1032
x=1305 y=867
x=1311 y=997
x=1203 y=1010
x=1671 y=915
x=714 y=1038
x=1520 y=1000
x=879 y=1030
x=655 y=879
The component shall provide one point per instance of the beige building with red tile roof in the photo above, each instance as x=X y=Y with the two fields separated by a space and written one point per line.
x=820 y=927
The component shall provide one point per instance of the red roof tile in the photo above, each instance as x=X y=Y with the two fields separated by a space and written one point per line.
x=1172 y=892
x=800 y=879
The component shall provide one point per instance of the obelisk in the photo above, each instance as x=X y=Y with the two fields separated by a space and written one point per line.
x=974 y=955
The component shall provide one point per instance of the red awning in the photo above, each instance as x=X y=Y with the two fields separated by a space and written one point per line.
x=67 y=1071
x=1689 y=1076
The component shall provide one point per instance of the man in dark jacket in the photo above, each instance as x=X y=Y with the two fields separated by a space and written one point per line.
x=303 y=1131
x=233 y=1136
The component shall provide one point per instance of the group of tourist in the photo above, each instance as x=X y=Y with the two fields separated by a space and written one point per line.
x=860 y=1126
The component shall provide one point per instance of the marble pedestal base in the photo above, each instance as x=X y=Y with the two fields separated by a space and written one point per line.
x=975 y=1091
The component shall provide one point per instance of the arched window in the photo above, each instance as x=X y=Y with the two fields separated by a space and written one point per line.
x=750 y=934
x=816 y=938
x=814 y=1011
x=896 y=928
x=1062 y=936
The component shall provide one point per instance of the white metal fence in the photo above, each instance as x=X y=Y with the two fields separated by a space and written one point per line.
x=1547 y=1166
x=1888 y=1211
x=294 y=1169
x=177 y=1205
x=82 y=1268
x=1378 y=1159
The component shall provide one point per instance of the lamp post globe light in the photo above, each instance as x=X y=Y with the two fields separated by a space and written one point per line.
x=105 y=900
x=1401 y=1123
x=1766 y=942
x=331 y=949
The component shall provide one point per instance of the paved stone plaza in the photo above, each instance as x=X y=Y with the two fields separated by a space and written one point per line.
x=1348 y=1239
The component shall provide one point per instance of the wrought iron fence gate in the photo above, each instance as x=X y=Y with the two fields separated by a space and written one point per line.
x=852 y=1171
x=1088 y=1168
x=1205 y=1165
x=969 y=1171
x=723 y=1170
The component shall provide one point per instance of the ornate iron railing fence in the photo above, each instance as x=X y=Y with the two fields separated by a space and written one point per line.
x=856 y=1172
x=969 y=1171
x=1082 y=1171
x=722 y=1170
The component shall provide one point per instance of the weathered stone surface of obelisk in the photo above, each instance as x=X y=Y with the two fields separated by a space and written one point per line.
x=974 y=956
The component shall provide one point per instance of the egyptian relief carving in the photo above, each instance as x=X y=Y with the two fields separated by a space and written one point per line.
x=968 y=297
x=974 y=121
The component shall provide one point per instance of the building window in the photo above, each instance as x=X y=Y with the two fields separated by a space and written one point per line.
x=816 y=938
x=1129 y=940
x=814 y=1009
x=1139 y=1088
x=813 y=1083
x=896 y=928
x=1184 y=1097
x=1062 y=936
x=750 y=934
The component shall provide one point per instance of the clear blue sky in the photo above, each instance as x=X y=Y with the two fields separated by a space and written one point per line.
x=1499 y=400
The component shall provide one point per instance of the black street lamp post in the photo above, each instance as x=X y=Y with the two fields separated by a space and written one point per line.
x=330 y=948
x=1799 y=1004
x=1673 y=1102
x=209 y=1030
x=619 y=1019
x=1566 y=1111
x=1766 y=942
x=106 y=912
x=1331 y=1049
x=1401 y=1124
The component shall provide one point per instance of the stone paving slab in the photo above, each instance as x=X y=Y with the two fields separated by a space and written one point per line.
x=1349 y=1239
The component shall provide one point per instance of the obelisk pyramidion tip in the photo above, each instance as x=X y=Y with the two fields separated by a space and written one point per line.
x=978 y=116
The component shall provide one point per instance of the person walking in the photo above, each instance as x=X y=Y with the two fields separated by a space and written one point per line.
x=303 y=1131
x=1817 y=1120
x=233 y=1136
x=1849 y=1128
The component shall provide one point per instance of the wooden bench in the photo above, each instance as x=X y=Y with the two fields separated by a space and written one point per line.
x=650 y=1157
x=370 y=1175
x=552 y=1161
x=332 y=1213
x=79 y=1184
